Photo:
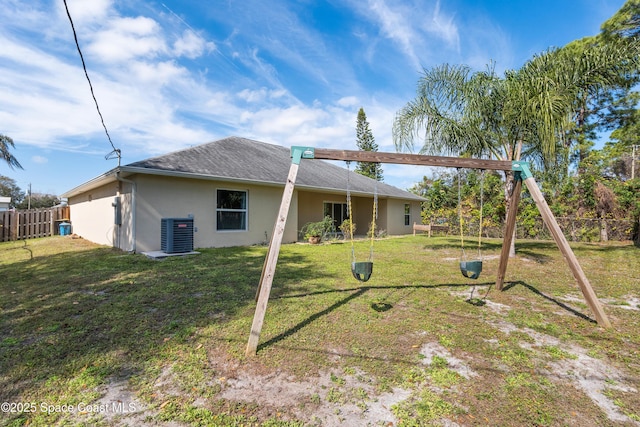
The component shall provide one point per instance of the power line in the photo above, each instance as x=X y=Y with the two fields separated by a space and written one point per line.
x=115 y=151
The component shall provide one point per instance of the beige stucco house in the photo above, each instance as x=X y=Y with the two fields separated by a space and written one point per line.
x=232 y=189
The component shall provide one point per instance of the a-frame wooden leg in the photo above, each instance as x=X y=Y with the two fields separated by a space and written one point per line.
x=587 y=291
x=269 y=267
x=264 y=266
x=508 y=232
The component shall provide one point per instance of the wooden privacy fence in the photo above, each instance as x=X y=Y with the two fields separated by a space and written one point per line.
x=32 y=223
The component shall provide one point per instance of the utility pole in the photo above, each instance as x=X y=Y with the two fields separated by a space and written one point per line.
x=29 y=202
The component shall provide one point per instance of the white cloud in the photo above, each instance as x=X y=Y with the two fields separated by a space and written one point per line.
x=128 y=38
x=415 y=27
x=397 y=26
x=444 y=27
x=41 y=94
x=279 y=46
x=154 y=98
x=192 y=45
x=348 y=101
x=157 y=73
x=83 y=11
x=284 y=121
x=261 y=68
x=39 y=159
x=263 y=94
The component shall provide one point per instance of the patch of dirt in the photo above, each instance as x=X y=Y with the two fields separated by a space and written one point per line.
x=118 y=406
x=331 y=399
x=594 y=377
x=435 y=349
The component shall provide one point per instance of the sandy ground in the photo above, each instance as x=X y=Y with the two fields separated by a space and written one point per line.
x=355 y=401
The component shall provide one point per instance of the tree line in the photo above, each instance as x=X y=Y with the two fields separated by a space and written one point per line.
x=549 y=112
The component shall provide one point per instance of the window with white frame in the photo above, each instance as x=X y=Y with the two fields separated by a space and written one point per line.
x=407 y=214
x=231 y=210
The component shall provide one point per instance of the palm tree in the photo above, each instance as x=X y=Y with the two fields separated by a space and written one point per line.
x=458 y=112
x=530 y=112
x=5 y=144
x=448 y=111
x=479 y=114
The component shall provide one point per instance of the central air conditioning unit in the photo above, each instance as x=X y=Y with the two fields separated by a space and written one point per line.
x=176 y=235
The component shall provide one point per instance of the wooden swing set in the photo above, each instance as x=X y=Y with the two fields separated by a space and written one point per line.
x=522 y=174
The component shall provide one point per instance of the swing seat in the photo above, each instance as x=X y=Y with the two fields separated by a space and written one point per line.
x=362 y=270
x=471 y=269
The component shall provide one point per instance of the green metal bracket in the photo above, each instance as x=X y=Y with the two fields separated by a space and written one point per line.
x=521 y=170
x=298 y=153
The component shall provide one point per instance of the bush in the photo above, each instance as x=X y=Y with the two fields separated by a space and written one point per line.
x=346 y=229
x=318 y=229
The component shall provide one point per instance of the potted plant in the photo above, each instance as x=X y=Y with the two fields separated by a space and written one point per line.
x=314 y=232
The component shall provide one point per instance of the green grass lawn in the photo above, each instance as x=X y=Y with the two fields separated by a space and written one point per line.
x=84 y=326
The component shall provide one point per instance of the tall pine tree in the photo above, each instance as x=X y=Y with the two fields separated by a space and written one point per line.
x=366 y=142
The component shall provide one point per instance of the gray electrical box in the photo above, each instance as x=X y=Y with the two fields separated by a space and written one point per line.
x=117 y=211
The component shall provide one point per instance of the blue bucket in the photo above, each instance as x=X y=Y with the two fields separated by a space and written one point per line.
x=65 y=228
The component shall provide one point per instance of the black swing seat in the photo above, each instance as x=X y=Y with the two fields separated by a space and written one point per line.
x=471 y=269
x=362 y=270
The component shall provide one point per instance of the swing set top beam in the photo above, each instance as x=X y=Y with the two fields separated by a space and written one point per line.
x=398 y=158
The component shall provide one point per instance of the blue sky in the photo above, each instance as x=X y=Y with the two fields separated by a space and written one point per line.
x=172 y=74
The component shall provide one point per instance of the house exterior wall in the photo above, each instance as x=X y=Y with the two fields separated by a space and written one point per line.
x=395 y=220
x=382 y=223
x=362 y=211
x=311 y=207
x=160 y=197
x=123 y=233
x=390 y=212
x=92 y=214
x=170 y=197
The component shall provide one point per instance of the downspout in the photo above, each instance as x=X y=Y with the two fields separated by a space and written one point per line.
x=133 y=209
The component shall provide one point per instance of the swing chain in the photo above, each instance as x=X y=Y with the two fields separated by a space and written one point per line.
x=373 y=220
x=482 y=172
x=360 y=270
x=461 y=218
x=349 y=208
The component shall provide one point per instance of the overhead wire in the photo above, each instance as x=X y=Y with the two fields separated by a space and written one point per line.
x=86 y=73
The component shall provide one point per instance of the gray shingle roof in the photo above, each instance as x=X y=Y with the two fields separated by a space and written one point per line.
x=248 y=160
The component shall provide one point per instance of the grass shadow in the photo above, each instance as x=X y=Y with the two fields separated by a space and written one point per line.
x=291 y=331
x=113 y=311
x=560 y=304
x=353 y=294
